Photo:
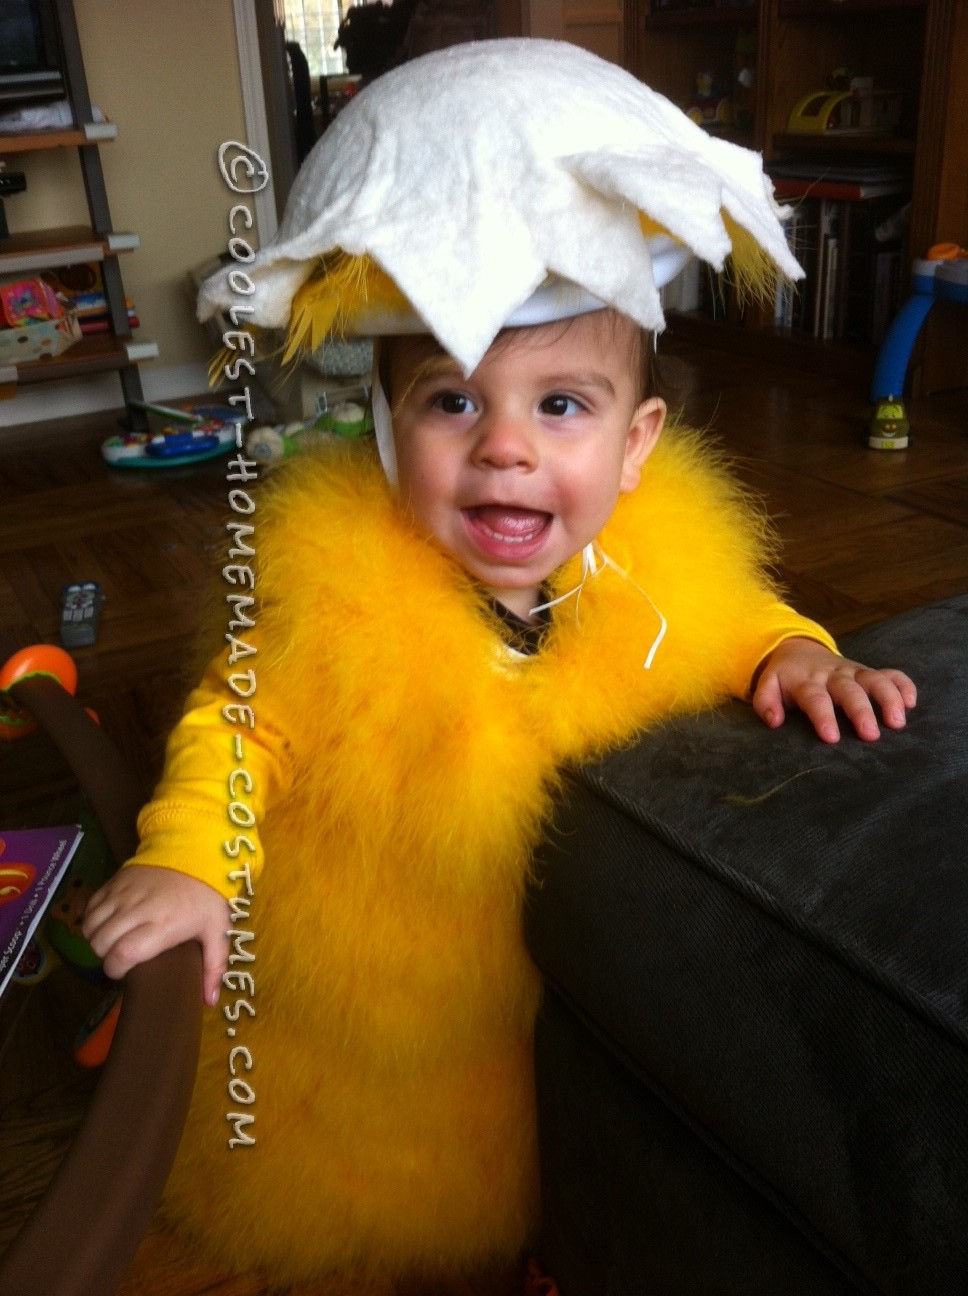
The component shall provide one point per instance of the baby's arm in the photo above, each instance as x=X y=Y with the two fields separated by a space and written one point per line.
x=806 y=674
x=144 y=910
x=151 y=904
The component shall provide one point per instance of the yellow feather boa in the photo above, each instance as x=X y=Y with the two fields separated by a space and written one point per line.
x=391 y=1047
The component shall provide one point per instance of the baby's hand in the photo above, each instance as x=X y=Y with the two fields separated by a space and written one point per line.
x=803 y=673
x=144 y=910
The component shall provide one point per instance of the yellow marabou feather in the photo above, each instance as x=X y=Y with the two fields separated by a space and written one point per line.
x=751 y=269
x=226 y=359
x=754 y=273
x=333 y=296
x=391 y=1047
x=343 y=286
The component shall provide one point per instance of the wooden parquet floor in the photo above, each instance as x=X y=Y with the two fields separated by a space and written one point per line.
x=865 y=534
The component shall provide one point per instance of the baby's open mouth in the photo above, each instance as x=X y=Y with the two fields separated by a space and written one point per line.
x=508 y=524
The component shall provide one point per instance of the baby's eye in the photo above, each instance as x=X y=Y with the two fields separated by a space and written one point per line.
x=560 y=406
x=453 y=402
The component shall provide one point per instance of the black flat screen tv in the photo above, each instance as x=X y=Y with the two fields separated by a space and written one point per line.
x=30 y=67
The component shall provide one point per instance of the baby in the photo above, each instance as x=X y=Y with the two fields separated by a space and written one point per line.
x=528 y=574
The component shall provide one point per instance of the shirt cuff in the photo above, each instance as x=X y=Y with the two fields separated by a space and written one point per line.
x=800 y=628
x=209 y=848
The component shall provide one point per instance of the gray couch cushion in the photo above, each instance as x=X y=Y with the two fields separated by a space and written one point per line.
x=768 y=937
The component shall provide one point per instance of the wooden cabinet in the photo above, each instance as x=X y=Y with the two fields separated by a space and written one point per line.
x=788 y=49
x=99 y=242
x=672 y=48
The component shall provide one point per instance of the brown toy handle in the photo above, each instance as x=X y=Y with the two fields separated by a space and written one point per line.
x=85 y=1231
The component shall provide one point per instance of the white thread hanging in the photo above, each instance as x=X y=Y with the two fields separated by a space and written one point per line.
x=383 y=422
x=594 y=560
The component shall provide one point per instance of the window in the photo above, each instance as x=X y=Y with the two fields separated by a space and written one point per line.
x=314 y=25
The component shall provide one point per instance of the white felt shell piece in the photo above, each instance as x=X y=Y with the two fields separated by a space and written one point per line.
x=480 y=175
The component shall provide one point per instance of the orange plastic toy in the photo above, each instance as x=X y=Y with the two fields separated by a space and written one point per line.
x=38 y=659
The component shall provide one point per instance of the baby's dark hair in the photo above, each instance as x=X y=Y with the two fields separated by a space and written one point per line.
x=611 y=323
x=641 y=343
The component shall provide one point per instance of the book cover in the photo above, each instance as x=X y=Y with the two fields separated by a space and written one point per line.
x=793 y=188
x=102 y=324
x=827 y=225
x=860 y=173
x=32 y=863
x=831 y=264
x=788 y=300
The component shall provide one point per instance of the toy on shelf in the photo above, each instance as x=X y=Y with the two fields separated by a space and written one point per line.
x=81 y=288
x=744 y=77
x=28 y=300
x=199 y=432
x=943 y=273
x=711 y=106
x=33 y=322
x=842 y=113
x=848 y=106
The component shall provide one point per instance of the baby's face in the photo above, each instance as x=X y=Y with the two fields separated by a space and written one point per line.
x=515 y=469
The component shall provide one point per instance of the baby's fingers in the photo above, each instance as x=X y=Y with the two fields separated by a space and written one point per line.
x=816 y=702
x=891 y=691
x=105 y=923
x=895 y=694
x=121 y=945
x=215 y=960
x=767 y=700
x=854 y=699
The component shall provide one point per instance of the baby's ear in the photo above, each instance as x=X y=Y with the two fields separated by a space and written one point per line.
x=644 y=431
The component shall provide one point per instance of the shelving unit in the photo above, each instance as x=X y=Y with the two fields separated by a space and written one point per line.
x=73 y=245
x=669 y=47
x=68 y=245
x=916 y=47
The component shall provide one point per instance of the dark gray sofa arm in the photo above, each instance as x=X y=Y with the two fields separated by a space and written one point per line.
x=753 y=1056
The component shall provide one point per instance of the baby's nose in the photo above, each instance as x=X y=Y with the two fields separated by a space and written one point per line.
x=505 y=441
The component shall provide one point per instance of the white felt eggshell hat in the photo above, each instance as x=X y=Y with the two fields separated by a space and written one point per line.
x=505 y=182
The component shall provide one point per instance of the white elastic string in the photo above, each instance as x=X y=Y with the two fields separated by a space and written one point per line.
x=589 y=567
x=383 y=422
x=594 y=560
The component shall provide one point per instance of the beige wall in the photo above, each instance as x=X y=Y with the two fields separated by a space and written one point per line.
x=167 y=74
